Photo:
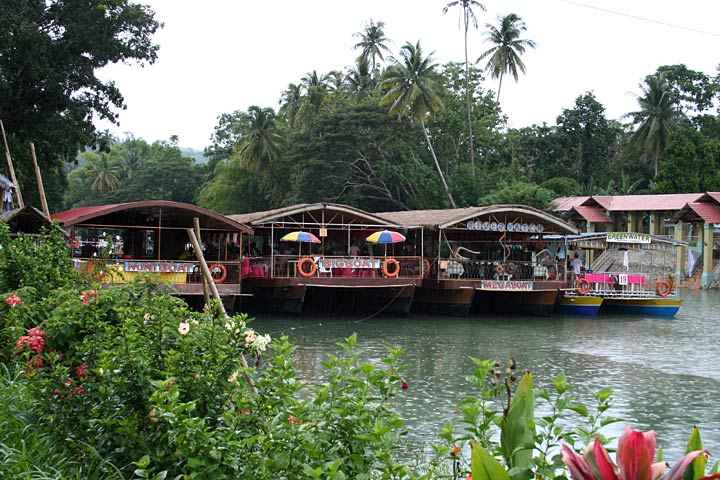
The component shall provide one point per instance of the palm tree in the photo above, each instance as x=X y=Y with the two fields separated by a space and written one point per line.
x=358 y=81
x=412 y=91
x=372 y=42
x=290 y=103
x=658 y=117
x=507 y=48
x=261 y=143
x=316 y=87
x=467 y=14
x=103 y=174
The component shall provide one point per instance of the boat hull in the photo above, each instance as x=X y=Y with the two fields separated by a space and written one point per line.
x=663 y=307
x=527 y=302
x=578 y=305
x=435 y=299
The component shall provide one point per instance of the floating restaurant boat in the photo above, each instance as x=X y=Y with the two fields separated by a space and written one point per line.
x=492 y=259
x=612 y=285
x=323 y=258
x=118 y=242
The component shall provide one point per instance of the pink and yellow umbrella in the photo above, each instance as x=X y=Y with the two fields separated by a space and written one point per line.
x=300 y=236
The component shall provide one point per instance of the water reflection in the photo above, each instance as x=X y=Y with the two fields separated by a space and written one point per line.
x=662 y=370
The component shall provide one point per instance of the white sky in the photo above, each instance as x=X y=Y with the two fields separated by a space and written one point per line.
x=218 y=56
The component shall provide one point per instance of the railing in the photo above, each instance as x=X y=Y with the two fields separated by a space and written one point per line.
x=167 y=271
x=497 y=270
x=625 y=284
x=334 y=266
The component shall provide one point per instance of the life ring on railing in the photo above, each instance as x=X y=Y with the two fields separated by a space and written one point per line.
x=426 y=270
x=663 y=288
x=301 y=264
x=582 y=286
x=511 y=268
x=499 y=269
x=223 y=272
x=396 y=270
x=552 y=271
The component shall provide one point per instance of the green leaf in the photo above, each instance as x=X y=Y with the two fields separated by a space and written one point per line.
x=697 y=468
x=485 y=466
x=517 y=429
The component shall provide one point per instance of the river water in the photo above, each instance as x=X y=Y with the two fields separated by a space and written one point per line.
x=662 y=371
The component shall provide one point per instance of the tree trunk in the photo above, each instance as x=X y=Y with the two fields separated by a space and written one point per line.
x=437 y=164
x=467 y=99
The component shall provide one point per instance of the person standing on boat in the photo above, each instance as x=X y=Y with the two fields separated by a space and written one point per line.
x=354 y=250
x=577 y=266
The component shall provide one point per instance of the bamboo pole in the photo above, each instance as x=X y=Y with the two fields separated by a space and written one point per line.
x=196 y=222
x=21 y=204
x=38 y=176
x=213 y=288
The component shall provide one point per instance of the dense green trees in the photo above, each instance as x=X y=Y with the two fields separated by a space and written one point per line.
x=334 y=137
x=49 y=92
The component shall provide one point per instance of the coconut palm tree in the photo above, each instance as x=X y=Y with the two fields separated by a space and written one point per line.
x=316 y=87
x=467 y=15
x=103 y=173
x=261 y=143
x=372 y=42
x=658 y=117
x=290 y=103
x=412 y=91
x=507 y=48
x=358 y=81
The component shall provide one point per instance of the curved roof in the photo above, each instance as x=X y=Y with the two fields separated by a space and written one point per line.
x=441 y=219
x=312 y=213
x=148 y=213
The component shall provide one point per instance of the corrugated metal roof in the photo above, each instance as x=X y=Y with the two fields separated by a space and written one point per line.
x=564 y=204
x=592 y=214
x=312 y=210
x=84 y=214
x=5 y=182
x=714 y=195
x=709 y=212
x=645 y=203
x=434 y=219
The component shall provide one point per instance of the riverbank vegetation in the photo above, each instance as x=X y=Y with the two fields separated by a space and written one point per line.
x=127 y=382
x=392 y=129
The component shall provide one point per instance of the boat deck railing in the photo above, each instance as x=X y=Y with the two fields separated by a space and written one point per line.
x=624 y=284
x=332 y=266
x=510 y=270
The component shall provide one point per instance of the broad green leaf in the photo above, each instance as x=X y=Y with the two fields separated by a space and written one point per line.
x=485 y=466
x=517 y=429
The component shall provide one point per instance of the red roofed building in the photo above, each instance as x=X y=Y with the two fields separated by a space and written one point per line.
x=686 y=216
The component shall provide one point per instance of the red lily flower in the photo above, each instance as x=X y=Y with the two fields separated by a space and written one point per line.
x=635 y=454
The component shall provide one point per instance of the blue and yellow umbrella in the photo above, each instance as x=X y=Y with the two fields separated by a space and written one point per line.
x=386 y=236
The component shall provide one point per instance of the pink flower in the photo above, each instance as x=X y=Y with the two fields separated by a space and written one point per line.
x=80 y=370
x=184 y=328
x=87 y=296
x=13 y=300
x=634 y=457
x=33 y=340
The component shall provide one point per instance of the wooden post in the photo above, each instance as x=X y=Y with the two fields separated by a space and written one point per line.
x=196 y=222
x=213 y=288
x=11 y=169
x=43 y=200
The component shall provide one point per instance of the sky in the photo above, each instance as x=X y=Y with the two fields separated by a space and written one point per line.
x=220 y=56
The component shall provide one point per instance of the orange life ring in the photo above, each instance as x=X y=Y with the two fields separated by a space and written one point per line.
x=313 y=267
x=663 y=288
x=582 y=286
x=223 y=272
x=426 y=270
x=552 y=271
x=394 y=273
x=499 y=269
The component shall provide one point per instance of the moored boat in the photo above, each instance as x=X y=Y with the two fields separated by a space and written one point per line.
x=632 y=274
